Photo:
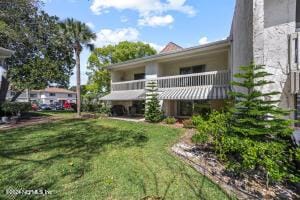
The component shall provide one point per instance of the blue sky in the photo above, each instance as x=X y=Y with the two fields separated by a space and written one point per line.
x=157 y=22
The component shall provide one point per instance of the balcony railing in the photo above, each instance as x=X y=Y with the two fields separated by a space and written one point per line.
x=199 y=79
x=128 y=85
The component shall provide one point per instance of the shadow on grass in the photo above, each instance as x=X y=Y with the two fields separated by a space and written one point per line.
x=164 y=186
x=39 y=157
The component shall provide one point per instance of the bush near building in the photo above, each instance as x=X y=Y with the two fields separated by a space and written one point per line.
x=254 y=135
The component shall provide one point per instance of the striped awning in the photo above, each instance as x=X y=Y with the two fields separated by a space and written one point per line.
x=295 y=82
x=125 y=95
x=195 y=93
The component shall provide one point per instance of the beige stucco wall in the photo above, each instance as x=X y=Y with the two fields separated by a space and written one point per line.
x=214 y=62
x=127 y=74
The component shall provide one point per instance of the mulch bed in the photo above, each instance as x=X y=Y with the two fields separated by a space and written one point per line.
x=203 y=159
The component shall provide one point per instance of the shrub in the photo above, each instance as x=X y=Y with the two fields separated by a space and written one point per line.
x=297 y=154
x=197 y=119
x=170 y=120
x=14 y=108
x=200 y=138
x=104 y=109
x=188 y=123
x=153 y=112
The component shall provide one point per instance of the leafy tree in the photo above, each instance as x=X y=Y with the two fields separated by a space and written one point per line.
x=153 y=111
x=79 y=34
x=42 y=53
x=99 y=76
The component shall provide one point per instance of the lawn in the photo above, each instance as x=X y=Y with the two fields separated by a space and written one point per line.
x=99 y=159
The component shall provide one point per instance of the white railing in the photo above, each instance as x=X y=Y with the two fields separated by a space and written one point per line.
x=200 y=79
x=128 y=85
x=189 y=80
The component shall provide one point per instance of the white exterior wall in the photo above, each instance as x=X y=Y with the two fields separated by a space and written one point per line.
x=260 y=33
x=277 y=28
x=44 y=97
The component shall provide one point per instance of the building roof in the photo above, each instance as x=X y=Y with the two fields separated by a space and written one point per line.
x=171 y=47
x=56 y=90
x=174 y=54
x=5 y=53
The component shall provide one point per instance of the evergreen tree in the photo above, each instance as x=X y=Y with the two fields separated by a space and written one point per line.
x=255 y=113
x=153 y=112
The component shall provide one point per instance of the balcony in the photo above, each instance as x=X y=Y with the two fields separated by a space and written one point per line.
x=219 y=78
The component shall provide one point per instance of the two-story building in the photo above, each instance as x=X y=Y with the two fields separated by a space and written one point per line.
x=263 y=31
x=48 y=96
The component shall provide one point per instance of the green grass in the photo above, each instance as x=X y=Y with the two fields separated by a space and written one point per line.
x=52 y=113
x=99 y=159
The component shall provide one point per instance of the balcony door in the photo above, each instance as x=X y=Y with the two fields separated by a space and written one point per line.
x=193 y=107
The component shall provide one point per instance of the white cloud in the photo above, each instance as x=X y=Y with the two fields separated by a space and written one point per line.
x=91 y=25
x=157 y=47
x=203 y=40
x=156 y=21
x=109 y=36
x=147 y=9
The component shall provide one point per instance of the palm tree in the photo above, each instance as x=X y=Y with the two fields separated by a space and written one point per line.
x=80 y=35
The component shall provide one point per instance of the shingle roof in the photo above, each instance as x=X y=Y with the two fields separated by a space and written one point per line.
x=56 y=90
x=171 y=47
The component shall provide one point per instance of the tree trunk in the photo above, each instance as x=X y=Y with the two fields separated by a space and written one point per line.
x=16 y=96
x=4 y=84
x=78 y=86
x=3 y=90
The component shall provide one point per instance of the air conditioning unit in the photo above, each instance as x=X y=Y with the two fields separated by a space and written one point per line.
x=294 y=51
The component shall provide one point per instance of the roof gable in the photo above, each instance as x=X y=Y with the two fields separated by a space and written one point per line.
x=171 y=47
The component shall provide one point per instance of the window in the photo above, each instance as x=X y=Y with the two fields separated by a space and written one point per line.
x=70 y=95
x=52 y=94
x=140 y=76
x=189 y=108
x=192 y=70
x=33 y=95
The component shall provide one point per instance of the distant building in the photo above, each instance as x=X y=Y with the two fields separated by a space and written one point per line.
x=47 y=96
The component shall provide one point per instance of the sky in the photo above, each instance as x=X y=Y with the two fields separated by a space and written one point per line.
x=156 y=22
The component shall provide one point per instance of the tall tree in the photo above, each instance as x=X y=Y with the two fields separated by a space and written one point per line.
x=80 y=35
x=43 y=54
x=255 y=113
x=99 y=77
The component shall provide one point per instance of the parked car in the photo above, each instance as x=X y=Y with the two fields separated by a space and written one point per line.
x=56 y=106
x=45 y=107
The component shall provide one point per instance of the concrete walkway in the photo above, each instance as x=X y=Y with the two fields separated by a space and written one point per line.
x=133 y=119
